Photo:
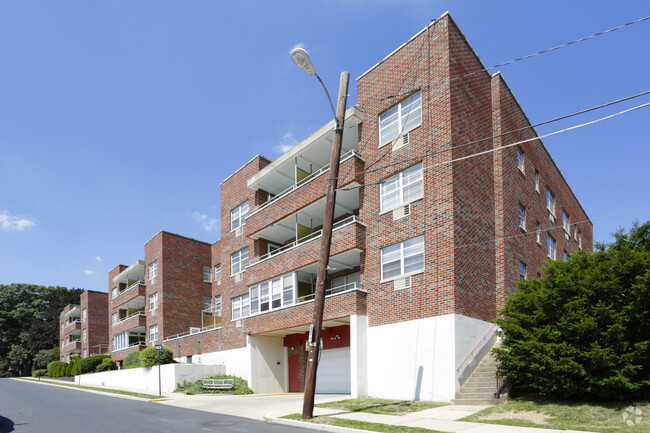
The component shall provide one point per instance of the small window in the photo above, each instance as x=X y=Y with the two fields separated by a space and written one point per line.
x=239 y=262
x=217 y=305
x=153 y=333
x=539 y=276
x=238 y=216
x=217 y=272
x=83 y=335
x=400 y=119
x=565 y=256
x=85 y=353
x=240 y=307
x=538 y=233
x=114 y=292
x=153 y=301
x=550 y=201
x=566 y=222
x=522 y=217
x=579 y=239
x=84 y=315
x=207 y=303
x=153 y=270
x=550 y=243
x=207 y=274
x=536 y=180
x=406 y=258
x=520 y=160
x=405 y=187
x=522 y=270
x=114 y=318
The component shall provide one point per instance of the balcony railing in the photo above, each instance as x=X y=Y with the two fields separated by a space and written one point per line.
x=212 y=312
x=136 y=344
x=310 y=237
x=73 y=322
x=137 y=313
x=301 y=183
x=119 y=292
x=332 y=291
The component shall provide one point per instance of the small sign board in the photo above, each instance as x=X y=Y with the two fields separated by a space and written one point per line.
x=158 y=347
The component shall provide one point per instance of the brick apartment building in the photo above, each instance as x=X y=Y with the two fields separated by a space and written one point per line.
x=428 y=241
x=84 y=327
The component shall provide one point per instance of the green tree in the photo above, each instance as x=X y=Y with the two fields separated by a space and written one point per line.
x=149 y=357
x=585 y=329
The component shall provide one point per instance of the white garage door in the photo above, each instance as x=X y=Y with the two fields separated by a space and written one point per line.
x=334 y=372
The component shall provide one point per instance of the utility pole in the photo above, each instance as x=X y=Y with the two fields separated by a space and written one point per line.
x=326 y=243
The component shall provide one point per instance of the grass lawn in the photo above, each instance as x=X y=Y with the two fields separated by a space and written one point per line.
x=598 y=417
x=112 y=391
x=361 y=425
x=382 y=406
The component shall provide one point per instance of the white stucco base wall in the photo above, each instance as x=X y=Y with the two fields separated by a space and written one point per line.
x=236 y=361
x=417 y=360
x=358 y=356
x=267 y=364
x=146 y=379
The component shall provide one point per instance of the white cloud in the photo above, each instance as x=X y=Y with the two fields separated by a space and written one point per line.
x=99 y=259
x=89 y=272
x=286 y=143
x=208 y=223
x=11 y=223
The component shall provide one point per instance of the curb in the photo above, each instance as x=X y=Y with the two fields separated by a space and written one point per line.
x=312 y=426
x=74 y=388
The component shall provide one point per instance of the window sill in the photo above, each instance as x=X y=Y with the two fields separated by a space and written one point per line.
x=397 y=277
x=384 y=212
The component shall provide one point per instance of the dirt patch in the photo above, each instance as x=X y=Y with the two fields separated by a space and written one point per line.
x=536 y=417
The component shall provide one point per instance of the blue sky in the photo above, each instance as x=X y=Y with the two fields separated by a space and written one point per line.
x=120 y=119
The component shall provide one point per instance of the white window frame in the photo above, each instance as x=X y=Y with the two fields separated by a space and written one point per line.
x=238 y=216
x=551 y=247
x=522 y=217
x=566 y=222
x=410 y=180
x=153 y=333
x=550 y=201
x=538 y=233
x=84 y=334
x=240 y=307
x=400 y=119
x=84 y=315
x=273 y=294
x=217 y=272
x=520 y=160
x=579 y=238
x=238 y=261
x=400 y=250
x=207 y=274
x=565 y=256
x=217 y=305
x=153 y=269
x=115 y=317
x=114 y=293
x=523 y=271
x=153 y=301
x=536 y=180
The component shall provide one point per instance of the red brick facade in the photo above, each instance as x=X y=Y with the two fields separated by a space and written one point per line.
x=94 y=323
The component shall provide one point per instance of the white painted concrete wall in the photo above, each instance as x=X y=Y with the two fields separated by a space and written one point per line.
x=236 y=361
x=146 y=379
x=267 y=359
x=417 y=360
x=469 y=333
x=359 y=356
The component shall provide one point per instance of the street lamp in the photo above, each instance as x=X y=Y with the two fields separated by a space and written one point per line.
x=301 y=58
x=159 y=348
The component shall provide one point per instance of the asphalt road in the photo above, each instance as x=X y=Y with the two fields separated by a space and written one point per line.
x=27 y=407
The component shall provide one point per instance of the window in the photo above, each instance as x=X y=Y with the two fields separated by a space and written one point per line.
x=272 y=294
x=217 y=304
x=579 y=239
x=566 y=222
x=83 y=335
x=240 y=307
x=239 y=261
x=153 y=333
x=207 y=303
x=85 y=353
x=217 y=272
x=153 y=270
x=405 y=258
x=565 y=256
x=84 y=315
x=536 y=180
x=538 y=232
x=522 y=270
x=400 y=119
x=522 y=217
x=550 y=243
x=114 y=293
x=207 y=274
x=520 y=160
x=153 y=301
x=238 y=216
x=402 y=188
x=539 y=276
x=550 y=201
x=114 y=318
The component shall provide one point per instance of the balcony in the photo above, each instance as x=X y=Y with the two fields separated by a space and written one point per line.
x=137 y=288
x=129 y=283
x=348 y=241
x=72 y=325
x=210 y=319
x=135 y=321
x=71 y=346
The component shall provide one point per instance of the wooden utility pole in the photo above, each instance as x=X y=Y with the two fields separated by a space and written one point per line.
x=326 y=243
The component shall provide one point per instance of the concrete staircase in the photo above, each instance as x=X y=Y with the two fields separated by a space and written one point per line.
x=480 y=387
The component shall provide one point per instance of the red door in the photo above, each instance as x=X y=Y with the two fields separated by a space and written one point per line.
x=294 y=369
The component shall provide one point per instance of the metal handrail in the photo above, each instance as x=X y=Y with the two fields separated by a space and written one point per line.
x=186 y=333
x=120 y=292
x=72 y=323
x=138 y=313
x=333 y=291
x=489 y=331
x=310 y=237
x=300 y=184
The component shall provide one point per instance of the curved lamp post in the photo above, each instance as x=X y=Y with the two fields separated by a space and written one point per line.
x=301 y=58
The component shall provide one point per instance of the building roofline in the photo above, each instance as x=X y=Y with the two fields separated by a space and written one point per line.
x=499 y=76
x=242 y=167
x=165 y=232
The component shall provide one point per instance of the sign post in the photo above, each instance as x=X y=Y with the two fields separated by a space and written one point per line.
x=159 y=348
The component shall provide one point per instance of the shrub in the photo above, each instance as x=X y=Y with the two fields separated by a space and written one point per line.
x=149 y=357
x=68 y=369
x=106 y=365
x=240 y=386
x=56 y=369
x=132 y=360
x=39 y=372
x=89 y=364
x=45 y=356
